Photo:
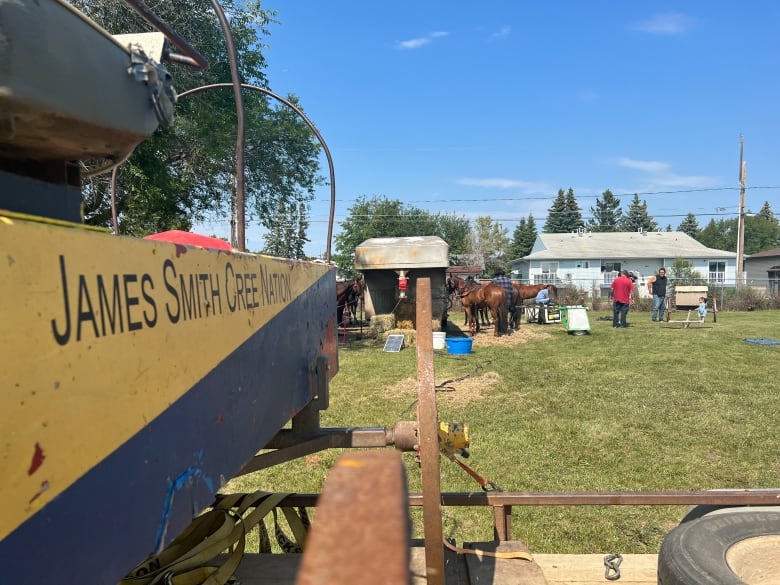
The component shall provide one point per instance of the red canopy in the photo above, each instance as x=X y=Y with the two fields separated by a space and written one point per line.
x=190 y=239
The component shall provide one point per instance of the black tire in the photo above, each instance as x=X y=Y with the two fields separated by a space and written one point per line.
x=695 y=553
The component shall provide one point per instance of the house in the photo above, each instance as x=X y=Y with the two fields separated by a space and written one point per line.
x=763 y=270
x=590 y=261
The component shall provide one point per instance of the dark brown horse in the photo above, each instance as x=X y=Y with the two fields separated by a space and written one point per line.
x=473 y=296
x=348 y=294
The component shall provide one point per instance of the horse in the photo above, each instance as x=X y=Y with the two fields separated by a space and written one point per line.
x=347 y=296
x=529 y=291
x=473 y=295
x=482 y=314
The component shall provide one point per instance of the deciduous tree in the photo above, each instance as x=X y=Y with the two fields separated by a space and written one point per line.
x=379 y=217
x=186 y=173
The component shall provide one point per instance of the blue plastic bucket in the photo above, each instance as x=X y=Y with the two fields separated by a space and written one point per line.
x=459 y=344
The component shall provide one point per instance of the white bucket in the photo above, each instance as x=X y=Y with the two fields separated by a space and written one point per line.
x=438 y=339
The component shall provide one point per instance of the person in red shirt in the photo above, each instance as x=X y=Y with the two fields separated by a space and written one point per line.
x=621 y=294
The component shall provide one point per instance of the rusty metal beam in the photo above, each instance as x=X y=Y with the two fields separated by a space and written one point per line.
x=361 y=533
x=664 y=498
x=427 y=417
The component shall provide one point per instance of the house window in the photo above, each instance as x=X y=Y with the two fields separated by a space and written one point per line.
x=583 y=264
x=548 y=274
x=717 y=271
x=610 y=266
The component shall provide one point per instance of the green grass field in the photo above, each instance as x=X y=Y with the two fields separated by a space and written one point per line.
x=644 y=408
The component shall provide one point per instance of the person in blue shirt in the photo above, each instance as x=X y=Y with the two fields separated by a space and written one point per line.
x=543 y=297
x=702 y=310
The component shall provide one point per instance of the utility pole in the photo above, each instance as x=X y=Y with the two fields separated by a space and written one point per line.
x=741 y=219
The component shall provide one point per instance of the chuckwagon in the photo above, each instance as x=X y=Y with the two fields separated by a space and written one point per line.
x=689 y=298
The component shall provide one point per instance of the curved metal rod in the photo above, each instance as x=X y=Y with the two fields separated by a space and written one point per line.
x=309 y=123
x=141 y=8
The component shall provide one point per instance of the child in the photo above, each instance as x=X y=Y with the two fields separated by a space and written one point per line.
x=702 y=308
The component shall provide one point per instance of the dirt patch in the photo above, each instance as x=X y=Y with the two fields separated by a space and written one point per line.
x=455 y=391
x=485 y=338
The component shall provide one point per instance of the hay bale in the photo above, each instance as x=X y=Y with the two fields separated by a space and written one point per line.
x=381 y=323
x=410 y=336
x=405 y=324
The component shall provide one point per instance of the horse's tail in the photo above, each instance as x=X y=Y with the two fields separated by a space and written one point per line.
x=502 y=319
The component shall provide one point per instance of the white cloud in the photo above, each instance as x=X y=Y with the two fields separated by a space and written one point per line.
x=502 y=33
x=420 y=41
x=658 y=175
x=649 y=166
x=499 y=183
x=669 y=23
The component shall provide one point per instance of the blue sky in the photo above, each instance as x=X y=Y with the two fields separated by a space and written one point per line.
x=490 y=108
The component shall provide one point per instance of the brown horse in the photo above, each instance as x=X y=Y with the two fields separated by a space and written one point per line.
x=473 y=296
x=348 y=294
x=529 y=291
x=524 y=292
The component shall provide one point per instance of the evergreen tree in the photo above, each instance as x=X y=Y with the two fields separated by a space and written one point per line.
x=668 y=227
x=689 y=226
x=607 y=214
x=523 y=238
x=287 y=235
x=766 y=212
x=636 y=217
x=574 y=219
x=564 y=215
x=555 y=223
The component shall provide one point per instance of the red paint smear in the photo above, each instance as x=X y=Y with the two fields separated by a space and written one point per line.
x=44 y=487
x=180 y=250
x=219 y=419
x=37 y=459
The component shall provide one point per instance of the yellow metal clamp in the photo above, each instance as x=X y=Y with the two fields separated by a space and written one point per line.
x=454 y=437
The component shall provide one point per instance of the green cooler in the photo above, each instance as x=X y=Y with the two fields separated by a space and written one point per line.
x=575 y=320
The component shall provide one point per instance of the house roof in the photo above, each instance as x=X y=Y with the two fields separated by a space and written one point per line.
x=766 y=253
x=621 y=245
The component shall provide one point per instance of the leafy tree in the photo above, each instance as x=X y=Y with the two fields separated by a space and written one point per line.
x=382 y=217
x=564 y=215
x=682 y=273
x=760 y=234
x=689 y=225
x=523 y=238
x=636 y=217
x=720 y=234
x=490 y=244
x=185 y=172
x=607 y=213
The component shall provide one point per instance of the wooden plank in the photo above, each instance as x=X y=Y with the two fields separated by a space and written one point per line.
x=486 y=569
x=589 y=569
x=557 y=569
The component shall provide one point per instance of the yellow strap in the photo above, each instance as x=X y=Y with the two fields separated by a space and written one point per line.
x=484 y=553
x=224 y=527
